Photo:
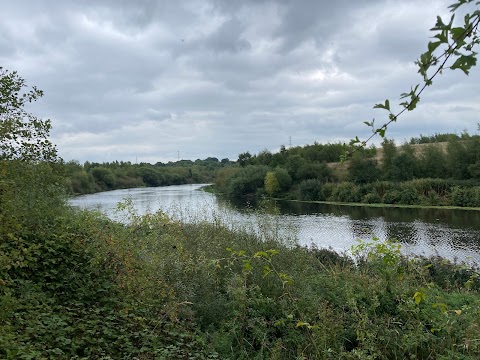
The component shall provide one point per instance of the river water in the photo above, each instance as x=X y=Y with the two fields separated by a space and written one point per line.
x=453 y=234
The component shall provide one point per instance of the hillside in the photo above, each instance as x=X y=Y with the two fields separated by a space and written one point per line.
x=341 y=169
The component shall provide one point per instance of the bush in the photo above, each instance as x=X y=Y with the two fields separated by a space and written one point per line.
x=408 y=195
x=466 y=197
x=346 y=192
x=371 y=199
x=310 y=190
x=327 y=192
x=391 y=197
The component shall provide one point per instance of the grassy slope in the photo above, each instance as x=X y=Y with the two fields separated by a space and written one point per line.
x=341 y=169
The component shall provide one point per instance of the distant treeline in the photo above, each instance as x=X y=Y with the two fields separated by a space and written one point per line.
x=424 y=171
x=438 y=137
x=94 y=177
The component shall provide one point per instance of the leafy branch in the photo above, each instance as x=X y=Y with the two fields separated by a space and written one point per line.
x=457 y=43
x=22 y=135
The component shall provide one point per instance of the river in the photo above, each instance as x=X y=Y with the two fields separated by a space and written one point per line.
x=453 y=234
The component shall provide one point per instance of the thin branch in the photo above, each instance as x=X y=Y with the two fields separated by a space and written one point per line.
x=448 y=54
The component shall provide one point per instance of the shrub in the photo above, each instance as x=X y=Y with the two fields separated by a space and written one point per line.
x=327 y=191
x=371 y=199
x=309 y=190
x=346 y=192
x=408 y=195
x=391 y=197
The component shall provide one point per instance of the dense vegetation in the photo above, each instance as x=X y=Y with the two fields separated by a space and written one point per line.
x=433 y=173
x=77 y=285
x=93 y=177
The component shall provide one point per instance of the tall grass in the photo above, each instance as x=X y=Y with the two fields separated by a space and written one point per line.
x=251 y=295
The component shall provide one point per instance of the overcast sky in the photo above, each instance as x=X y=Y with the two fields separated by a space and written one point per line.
x=150 y=80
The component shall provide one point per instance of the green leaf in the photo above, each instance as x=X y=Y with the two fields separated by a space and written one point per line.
x=432 y=46
x=302 y=323
x=458 y=33
x=419 y=296
x=455 y=6
x=442 y=37
x=259 y=254
x=413 y=103
x=465 y=63
x=385 y=106
x=440 y=25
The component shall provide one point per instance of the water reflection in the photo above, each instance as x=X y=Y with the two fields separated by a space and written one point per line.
x=454 y=234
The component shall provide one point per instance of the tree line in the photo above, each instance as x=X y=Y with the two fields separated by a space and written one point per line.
x=94 y=177
x=441 y=169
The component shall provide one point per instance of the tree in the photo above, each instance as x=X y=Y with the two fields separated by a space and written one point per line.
x=293 y=164
x=432 y=162
x=271 y=183
x=31 y=185
x=277 y=181
x=403 y=167
x=389 y=152
x=459 y=159
x=264 y=157
x=22 y=135
x=314 y=171
x=363 y=170
x=244 y=158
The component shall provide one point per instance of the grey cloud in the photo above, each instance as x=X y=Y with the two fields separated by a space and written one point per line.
x=228 y=38
x=215 y=78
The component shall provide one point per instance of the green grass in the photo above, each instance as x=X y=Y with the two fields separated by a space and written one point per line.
x=382 y=205
x=210 y=189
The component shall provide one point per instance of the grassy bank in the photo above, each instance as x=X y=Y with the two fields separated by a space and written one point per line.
x=210 y=189
x=87 y=287
x=379 y=205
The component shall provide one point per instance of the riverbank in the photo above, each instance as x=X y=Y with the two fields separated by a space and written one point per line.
x=449 y=233
x=399 y=206
x=166 y=289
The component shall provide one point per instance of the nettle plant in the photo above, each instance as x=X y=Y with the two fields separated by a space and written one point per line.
x=452 y=48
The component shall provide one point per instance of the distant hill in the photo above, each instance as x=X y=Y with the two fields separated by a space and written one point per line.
x=341 y=169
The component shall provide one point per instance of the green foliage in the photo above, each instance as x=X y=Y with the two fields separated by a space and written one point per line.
x=310 y=190
x=271 y=183
x=315 y=171
x=436 y=138
x=403 y=166
x=246 y=183
x=408 y=195
x=433 y=162
x=460 y=155
x=468 y=197
x=431 y=169
x=371 y=198
x=362 y=170
x=22 y=135
x=346 y=192
x=389 y=152
x=277 y=181
x=243 y=159
x=94 y=177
